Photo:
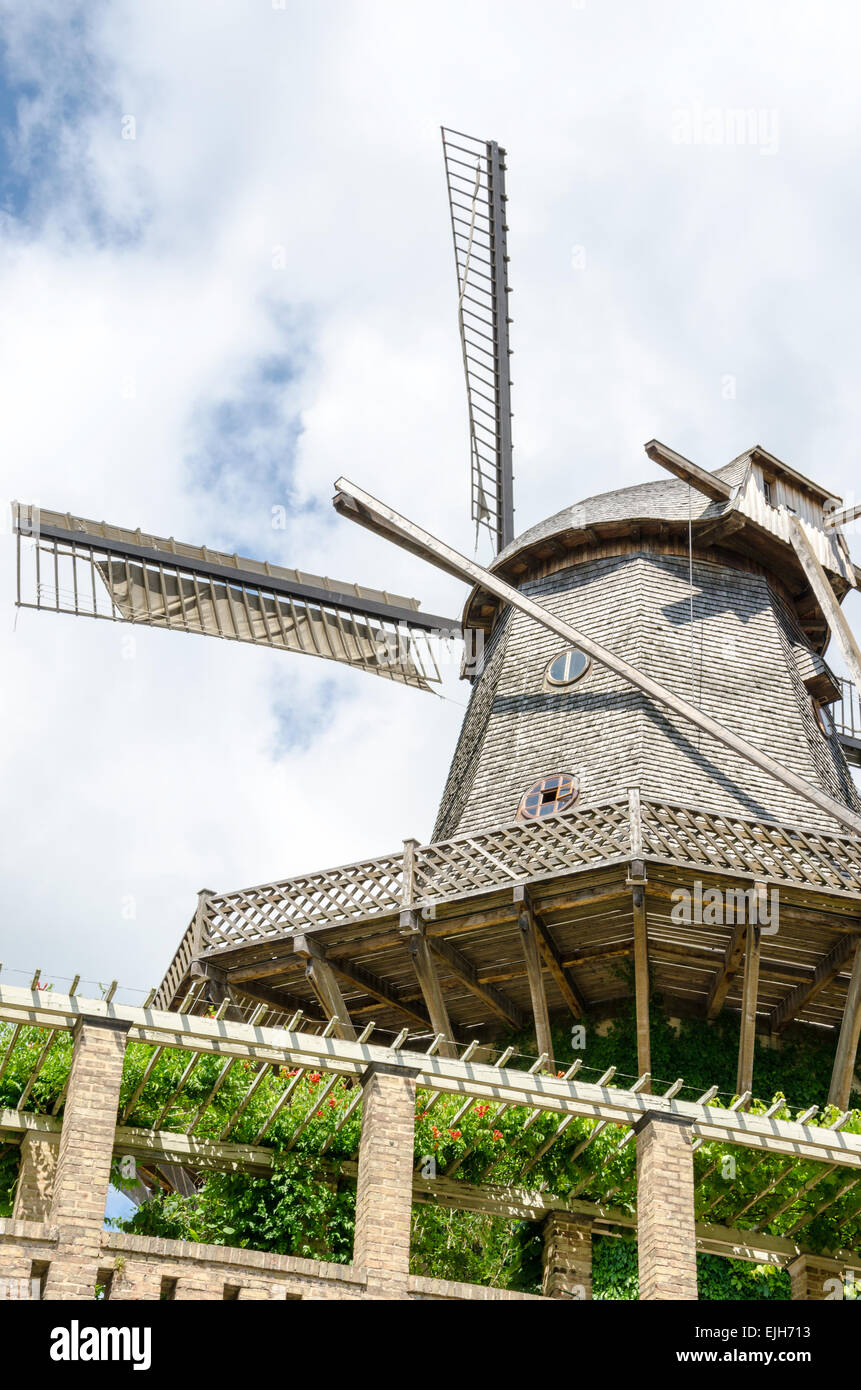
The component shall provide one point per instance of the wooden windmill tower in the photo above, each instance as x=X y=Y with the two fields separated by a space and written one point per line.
x=652 y=724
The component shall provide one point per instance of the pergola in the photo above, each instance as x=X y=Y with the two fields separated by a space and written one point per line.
x=501 y=930
x=67 y=1148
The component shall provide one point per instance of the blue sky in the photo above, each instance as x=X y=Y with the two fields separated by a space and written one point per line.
x=255 y=294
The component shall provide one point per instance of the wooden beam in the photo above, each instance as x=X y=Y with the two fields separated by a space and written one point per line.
x=841 y=516
x=720 y=530
x=426 y=974
x=359 y=506
x=495 y=999
x=378 y=989
x=750 y=992
x=725 y=976
x=532 y=955
x=641 y=980
x=847 y=1043
x=827 y=599
x=555 y=964
x=803 y=994
x=222 y=986
x=716 y=488
x=322 y=979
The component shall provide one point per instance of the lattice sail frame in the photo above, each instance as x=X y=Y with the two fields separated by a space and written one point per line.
x=475 y=174
x=66 y=564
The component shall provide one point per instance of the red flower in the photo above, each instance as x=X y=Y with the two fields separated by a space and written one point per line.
x=455 y=1133
x=497 y=1134
x=481 y=1110
x=314 y=1078
x=332 y=1100
x=435 y=1132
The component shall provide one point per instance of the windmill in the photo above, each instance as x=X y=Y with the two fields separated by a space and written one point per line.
x=653 y=710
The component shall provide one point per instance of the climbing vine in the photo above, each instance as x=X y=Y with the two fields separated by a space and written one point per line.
x=306 y=1205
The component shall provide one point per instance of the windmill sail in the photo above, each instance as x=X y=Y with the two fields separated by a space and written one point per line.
x=475 y=172
x=70 y=565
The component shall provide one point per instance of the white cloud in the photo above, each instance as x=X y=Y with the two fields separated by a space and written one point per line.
x=150 y=261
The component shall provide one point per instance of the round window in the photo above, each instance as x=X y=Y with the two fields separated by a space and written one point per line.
x=567 y=667
x=548 y=797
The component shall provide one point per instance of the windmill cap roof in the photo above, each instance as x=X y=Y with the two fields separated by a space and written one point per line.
x=661 y=499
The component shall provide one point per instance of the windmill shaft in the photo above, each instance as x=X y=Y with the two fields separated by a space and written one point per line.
x=397 y=528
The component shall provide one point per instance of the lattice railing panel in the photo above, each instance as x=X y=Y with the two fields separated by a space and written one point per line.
x=334 y=895
x=760 y=849
x=521 y=852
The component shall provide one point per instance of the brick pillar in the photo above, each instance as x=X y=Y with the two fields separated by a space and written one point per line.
x=35 y=1189
x=666 y=1236
x=808 y=1277
x=567 y=1256
x=384 y=1188
x=84 y=1162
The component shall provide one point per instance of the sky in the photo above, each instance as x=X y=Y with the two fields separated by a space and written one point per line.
x=227 y=279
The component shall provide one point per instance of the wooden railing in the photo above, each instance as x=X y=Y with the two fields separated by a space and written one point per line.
x=423 y=876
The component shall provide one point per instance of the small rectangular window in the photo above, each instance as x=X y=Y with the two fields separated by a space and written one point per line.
x=168 y=1290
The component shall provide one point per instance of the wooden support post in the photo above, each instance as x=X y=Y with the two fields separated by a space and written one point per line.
x=560 y=972
x=641 y=980
x=750 y=992
x=847 y=1043
x=827 y=599
x=426 y=974
x=324 y=983
x=532 y=956
x=199 y=932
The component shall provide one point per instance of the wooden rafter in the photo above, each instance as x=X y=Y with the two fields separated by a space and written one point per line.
x=561 y=972
x=464 y=971
x=708 y=483
x=803 y=994
x=726 y=974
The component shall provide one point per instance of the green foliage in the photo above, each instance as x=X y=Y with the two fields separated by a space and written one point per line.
x=293 y=1212
x=8 y=1179
x=615 y=1277
x=476 y=1249
x=305 y=1210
